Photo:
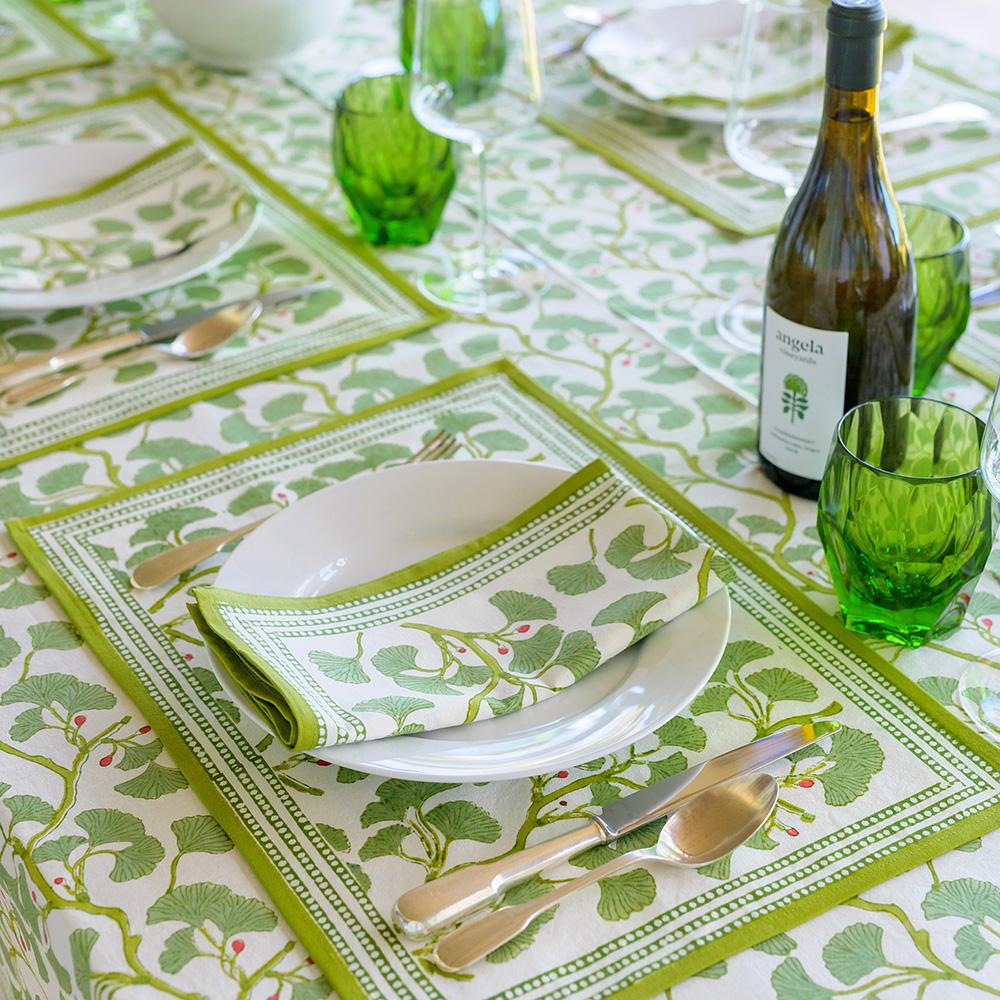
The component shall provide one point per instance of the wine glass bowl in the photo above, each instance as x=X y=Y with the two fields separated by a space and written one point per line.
x=478 y=76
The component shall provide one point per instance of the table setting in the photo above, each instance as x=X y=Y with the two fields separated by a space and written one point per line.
x=393 y=601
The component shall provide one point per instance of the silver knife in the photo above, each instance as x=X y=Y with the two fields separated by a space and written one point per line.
x=152 y=333
x=442 y=901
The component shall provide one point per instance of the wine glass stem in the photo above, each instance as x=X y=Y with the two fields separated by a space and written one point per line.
x=480 y=152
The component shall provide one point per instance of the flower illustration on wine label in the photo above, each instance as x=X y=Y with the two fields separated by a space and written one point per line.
x=795 y=398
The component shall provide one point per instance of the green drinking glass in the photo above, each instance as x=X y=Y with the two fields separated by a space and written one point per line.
x=395 y=174
x=940 y=245
x=905 y=517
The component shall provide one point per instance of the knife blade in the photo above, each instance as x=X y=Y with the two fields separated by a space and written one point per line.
x=152 y=333
x=443 y=901
x=155 y=332
x=665 y=796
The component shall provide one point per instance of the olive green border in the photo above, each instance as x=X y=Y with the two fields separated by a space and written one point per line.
x=101 y=54
x=318 y=944
x=432 y=313
x=99 y=187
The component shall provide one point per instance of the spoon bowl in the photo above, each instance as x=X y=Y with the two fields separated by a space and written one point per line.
x=708 y=827
x=211 y=333
x=716 y=822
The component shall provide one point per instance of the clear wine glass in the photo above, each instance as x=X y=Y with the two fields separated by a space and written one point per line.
x=478 y=76
x=772 y=118
x=979 y=686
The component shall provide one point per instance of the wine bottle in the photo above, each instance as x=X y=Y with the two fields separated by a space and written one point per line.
x=840 y=305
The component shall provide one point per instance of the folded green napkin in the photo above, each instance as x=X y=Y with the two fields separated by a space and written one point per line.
x=154 y=208
x=480 y=630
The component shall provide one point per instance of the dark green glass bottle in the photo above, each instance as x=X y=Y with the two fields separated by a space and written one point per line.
x=840 y=306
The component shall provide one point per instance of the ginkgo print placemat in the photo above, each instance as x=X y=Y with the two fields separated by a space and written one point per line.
x=903 y=781
x=291 y=245
x=34 y=39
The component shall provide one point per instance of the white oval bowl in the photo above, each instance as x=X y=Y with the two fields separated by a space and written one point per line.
x=248 y=34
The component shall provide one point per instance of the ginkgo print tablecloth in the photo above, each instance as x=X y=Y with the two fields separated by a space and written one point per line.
x=363 y=305
x=904 y=780
x=35 y=40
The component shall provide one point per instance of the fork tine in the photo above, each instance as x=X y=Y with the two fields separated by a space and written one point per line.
x=421 y=454
x=447 y=447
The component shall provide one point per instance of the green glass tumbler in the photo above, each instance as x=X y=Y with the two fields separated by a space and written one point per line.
x=396 y=176
x=905 y=517
x=940 y=245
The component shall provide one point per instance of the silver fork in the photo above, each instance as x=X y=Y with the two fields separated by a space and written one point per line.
x=158 y=569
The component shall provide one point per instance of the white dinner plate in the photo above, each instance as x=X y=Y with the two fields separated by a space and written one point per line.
x=643 y=31
x=376 y=523
x=48 y=171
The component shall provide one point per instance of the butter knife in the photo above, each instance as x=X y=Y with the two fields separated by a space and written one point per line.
x=152 y=333
x=443 y=901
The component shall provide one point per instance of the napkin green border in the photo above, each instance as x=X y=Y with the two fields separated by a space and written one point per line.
x=242 y=660
x=101 y=54
x=317 y=943
x=433 y=314
x=105 y=184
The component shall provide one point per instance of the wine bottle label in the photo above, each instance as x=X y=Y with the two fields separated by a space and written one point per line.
x=803 y=375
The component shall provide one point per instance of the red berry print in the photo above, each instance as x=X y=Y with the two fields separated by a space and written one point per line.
x=523 y=628
x=321 y=763
x=562 y=774
x=806 y=783
x=309 y=961
x=280 y=496
x=189 y=656
x=58 y=880
x=964 y=598
x=462 y=649
x=563 y=802
x=105 y=761
x=34 y=898
x=11 y=555
x=988 y=622
x=79 y=720
x=273 y=996
x=144 y=729
x=238 y=946
x=792 y=832
x=503 y=650
x=627 y=361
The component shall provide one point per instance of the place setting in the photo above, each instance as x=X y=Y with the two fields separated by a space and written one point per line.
x=397 y=604
x=155 y=271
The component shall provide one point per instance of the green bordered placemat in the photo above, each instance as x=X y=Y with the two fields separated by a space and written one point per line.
x=292 y=245
x=34 y=40
x=687 y=161
x=904 y=780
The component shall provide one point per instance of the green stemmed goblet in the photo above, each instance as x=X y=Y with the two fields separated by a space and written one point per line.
x=395 y=174
x=905 y=517
x=940 y=245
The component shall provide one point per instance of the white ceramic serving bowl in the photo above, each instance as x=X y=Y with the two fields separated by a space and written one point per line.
x=248 y=34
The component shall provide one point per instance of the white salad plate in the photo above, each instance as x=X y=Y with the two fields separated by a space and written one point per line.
x=31 y=173
x=648 y=31
x=375 y=523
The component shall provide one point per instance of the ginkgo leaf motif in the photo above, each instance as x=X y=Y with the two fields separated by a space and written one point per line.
x=578 y=578
x=516 y=607
x=394 y=661
x=631 y=610
x=578 y=654
x=738 y=654
x=397 y=707
x=781 y=684
x=533 y=653
x=854 y=952
x=345 y=669
x=857 y=758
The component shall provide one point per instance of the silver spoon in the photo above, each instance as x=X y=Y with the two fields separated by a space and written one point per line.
x=709 y=827
x=194 y=342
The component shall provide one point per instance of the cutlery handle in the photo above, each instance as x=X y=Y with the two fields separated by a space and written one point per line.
x=477 y=939
x=986 y=295
x=48 y=364
x=34 y=389
x=157 y=570
x=442 y=901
